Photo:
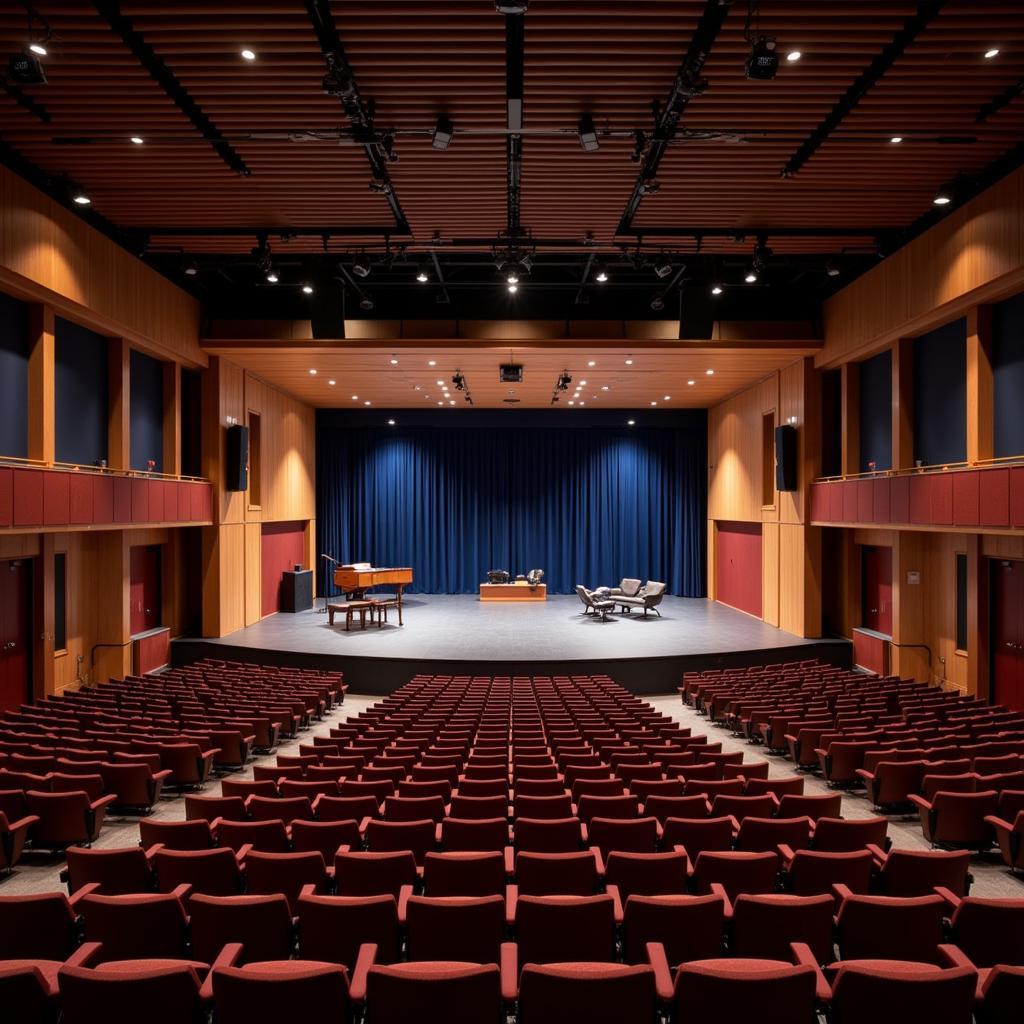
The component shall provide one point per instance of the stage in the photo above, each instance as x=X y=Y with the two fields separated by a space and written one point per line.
x=459 y=634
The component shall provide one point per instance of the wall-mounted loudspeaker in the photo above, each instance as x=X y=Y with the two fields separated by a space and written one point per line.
x=785 y=458
x=327 y=312
x=236 y=460
x=696 y=312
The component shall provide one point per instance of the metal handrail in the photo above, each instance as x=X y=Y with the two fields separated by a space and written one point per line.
x=75 y=467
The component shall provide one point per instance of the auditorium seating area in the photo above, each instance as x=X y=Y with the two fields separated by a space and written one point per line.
x=552 y=847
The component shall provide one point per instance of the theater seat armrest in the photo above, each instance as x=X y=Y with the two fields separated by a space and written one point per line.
x=164 y=773
x=511 y=898
x=658 y=960
x=27 y=822
x=803 y=957
x=229 y=956
x=510 y=861
x=437 y=834
x=403 y=903
x=613 y=891
x=509 y=972
x=951 y=898
x=308 y=891
x=364 y=961
x=786 y=853
x=953 y=956
x=87 y=890
x=598 y=861
x=152 y=851
x=717 y=889
x=877 y=852
x=919 y=802
x=364 y=824
x=584 y=837
x=996 y=822
x=104 y=801
x=182 y=891
x=863 y=773
x=344 y=848
x=735 y=825
x=242 y=852
x=209 y=755
x=87 y=954
x=775 y=799
x=841 y=892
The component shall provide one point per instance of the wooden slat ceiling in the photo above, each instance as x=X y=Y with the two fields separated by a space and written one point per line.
x=658 y=373
x=417 y=60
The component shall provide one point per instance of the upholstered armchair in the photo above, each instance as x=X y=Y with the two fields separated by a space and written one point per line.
x=626 y=588
x=599 y=605
x=648 y=598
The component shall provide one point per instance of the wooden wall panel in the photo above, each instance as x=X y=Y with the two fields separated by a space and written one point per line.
x=770 y=575
x=49 y=254
x=799 y=576
x=252 y=572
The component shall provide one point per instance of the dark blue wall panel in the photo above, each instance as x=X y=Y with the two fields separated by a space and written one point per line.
x=81 y=358
x=1008 y=376
x=876 y=412
x=146 y=412
x=13 y=377
x=940 y=395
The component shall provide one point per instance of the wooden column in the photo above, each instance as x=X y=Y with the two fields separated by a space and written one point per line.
x=42 y=421
x=979 y=384
x=903 y=404
x=172 y=418
x=119 y=442
x=851 y=418
x=908 y=606
x=978 y=659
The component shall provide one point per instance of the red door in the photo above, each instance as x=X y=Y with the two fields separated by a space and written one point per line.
x=15 y=616
x=876 y=589
x=145 y=589
x=1008 y=633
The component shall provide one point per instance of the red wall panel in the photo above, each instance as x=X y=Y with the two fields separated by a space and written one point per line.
x=151 y=652
x=6 y=497
x=880 y=501
x=865 y=501
x=1017 y=496
x=899 y=499
x=56 y=503
x=966 y=498
x=738 y=566
x=995 y=497
x=941 y=487
x=122 y=500
x=282 y=546
x=103 y=500
x=28 y=497
x=819 y=503
x=870 y=652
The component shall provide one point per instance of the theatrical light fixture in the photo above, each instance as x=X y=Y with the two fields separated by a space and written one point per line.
x=512 y=279
x=583 y=384
x=691 y=383
x=663 y=267
x=650 y=187
x=588 y=134
x=716 y=289
x=379 y=187
x=422 y=276
x=751 y=277
x=39 y=49
x=355 y=398
x=710 y=373
x=629 y=362
x=366 y=303
x=307 y=289
x=989 y=54
x=25 y=69
x=394 y=361
x=367 y=402
x=591 y=362
x=511 y=6
x=564 y=380
x=942 y=197
x=763 y=62
x=451 y=401
x=81 y=199
x=657 y=303
x=137 y=140
x=793 y=56
x=248 y=55
x=513 y=288
x=391 y=423
x=191 y=268
x=832 y=269
x=272 y=276
x=571 y=402
x=600 y=274
x=631 y=423
x=312 y=372
x=604 y=387
x=431 y=362
x=666 y=398
x=896 y=140
x=761 y=256
x=581 y=403
x=443 y=132
x=654 y=403
x=361 y=266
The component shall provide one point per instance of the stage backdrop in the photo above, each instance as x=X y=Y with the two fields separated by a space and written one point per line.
x=455 y=493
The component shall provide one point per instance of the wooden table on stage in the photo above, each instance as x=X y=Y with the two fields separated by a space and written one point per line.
x=513 y=592
x=357 y=581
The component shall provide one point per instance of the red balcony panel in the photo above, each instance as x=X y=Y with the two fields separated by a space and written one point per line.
x=156 y=500
x=169 y=489
x=56 y=501
x=819 y=503
x=941 y=487
x=140 y=501
x=28 y=497
x=6 y=497
x=122 y=499
x=1017 y=496
x=201 y=503
x=183 y=494
x=835 y=503
x=920 y=500
x=899 y=499
x=966 y=498
x=994 y=490
x=102 y=499
x=80 y=500
x=865 y=501
x=880 y=500
x=849 y=501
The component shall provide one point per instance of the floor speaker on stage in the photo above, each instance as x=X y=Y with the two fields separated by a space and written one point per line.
x=297 y=591
x=785 y=458
x=327 y=315
x=696 y=312
x=236 y=461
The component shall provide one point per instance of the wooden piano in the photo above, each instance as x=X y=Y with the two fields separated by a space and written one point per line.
x=358 y=578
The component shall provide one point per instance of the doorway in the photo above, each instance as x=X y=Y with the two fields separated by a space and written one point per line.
x=146 y=611
x=1007 y=635
x=876 y=589
x=15 y=626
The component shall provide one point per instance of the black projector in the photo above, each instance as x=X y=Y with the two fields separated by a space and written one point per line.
x=510 y=373
x=763 y=62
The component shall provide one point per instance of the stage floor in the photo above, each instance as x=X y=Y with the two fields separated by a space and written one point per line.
x=461 y=634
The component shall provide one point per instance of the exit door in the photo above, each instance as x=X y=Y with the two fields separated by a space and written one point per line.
x=876 y=589
x=145 y=589
x=15 y=620
x=1008 y=633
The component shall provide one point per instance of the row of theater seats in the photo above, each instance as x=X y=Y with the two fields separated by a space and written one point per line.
x=576 y=933
x=117 y=747
x=954 y=760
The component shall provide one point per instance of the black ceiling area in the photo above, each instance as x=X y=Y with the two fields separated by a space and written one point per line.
x=551 y=158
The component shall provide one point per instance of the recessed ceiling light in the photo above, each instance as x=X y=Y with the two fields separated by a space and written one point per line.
x=751 y=277
x=604 y=387
x=332 y=382
x=451 y=401
x=394 y=361
x=138 y=140
x=793 y=56
x=355 y=398
x=391 y=423
x=308 y=289
x=440 y=383
x=417 y=388
x=571 y=402
x=82 y=199
x=423 y=277
x=989 y=54
x=248 y=55
x=431 y=362
x=942 y=198
x=654 y=403
x=272 y=276
x=667 y=398
x=313 y=372
x=39 y=49
x=601 y=276
x=583 y=383
x=629 y=362
x=896 y=140
x=691 y=382
x=440 y=403
x=367 y=402
x=716 y=289
x=591 y=362
x=631 y=423
x=710 y=373
x=512 y=279
x=581 y=403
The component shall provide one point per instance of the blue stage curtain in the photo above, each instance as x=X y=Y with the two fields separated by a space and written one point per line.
x=588 y=502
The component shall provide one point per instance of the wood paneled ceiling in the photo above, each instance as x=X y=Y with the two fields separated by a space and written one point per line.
x=238 y=151
x=605 y=374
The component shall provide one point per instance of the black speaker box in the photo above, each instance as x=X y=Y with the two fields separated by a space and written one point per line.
x=297 y=590
x=327 y=314
x=236 y=461
x=785 y=458
x=696 y=312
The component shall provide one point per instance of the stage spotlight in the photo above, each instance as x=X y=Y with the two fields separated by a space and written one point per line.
x=443 y=132
x=564 y=380
x=943 y=197
x=631 y=423
x=137 y=140
x=379 y=187
x=650 y=187
x=763 y=62
x=361 y=266
x=391 y=423
x=657 y=303
x=896 y=140
x=25 y=69
x=600 y=274
x=761 y=256
x=751 y=277
x=511 y=6
x=307 y=289
x=248 y=55
x=512 y=278
x=40 y=50
x=191 y=268
x=513 y=288
x=832 y=269
x=366 y=303
x=989 y=54
x=588 y=134
x=422 y=276
x=663 y=267
x=272 y=276
x=716 y=289
x=526 y=263
x=793 y=56
x=81 y=199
